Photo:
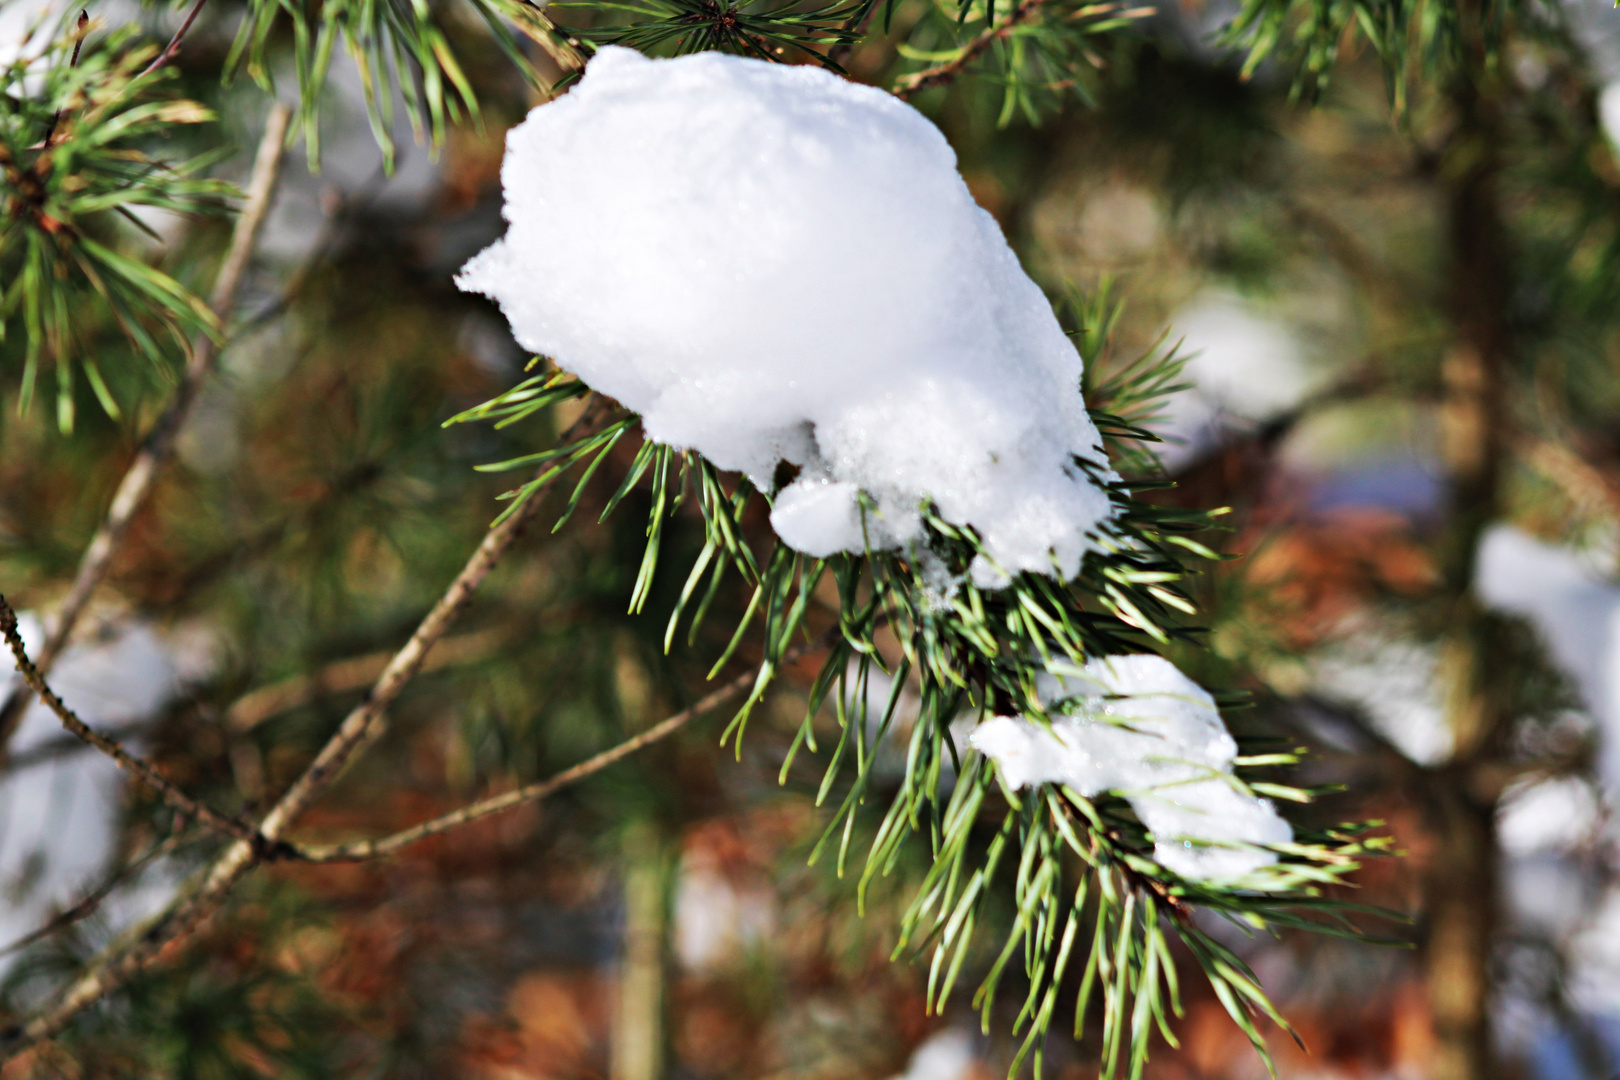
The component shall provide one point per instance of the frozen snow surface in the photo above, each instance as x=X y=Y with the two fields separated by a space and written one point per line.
x=1141 y=728
x=771 y=263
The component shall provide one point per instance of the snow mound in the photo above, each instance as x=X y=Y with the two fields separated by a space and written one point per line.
x=1141 y=728
x=769 y=263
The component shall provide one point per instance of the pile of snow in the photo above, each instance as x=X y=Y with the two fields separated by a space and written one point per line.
x=59 y=819
x=1142 y=729
x=769 y=263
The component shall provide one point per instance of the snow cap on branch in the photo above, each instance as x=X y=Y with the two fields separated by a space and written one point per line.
x=770 y=263
x=1141 y=728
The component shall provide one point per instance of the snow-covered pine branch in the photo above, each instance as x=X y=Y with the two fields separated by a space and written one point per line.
x=782 y=274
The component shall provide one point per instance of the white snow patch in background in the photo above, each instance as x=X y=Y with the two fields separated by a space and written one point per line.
x=770 y=263
x=715 y=919
x=1244 y=366
x=1593 y=982
x=944 y=1055
x=1393 y=683
x=1608 y=107
x=1548 y=815
x=59 y=819
x=27 y=27
x=1144 y=730
x=1574 y=610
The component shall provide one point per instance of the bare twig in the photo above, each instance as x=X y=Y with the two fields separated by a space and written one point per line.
x=372 y=849
x=139 y=478
x=265 y=702
x=131 y=764
x=191 y=911
x=948 y=71
x=81 y=28
x=343 y=676
x=172 y=49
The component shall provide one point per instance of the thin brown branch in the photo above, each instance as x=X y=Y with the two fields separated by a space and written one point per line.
x=948 y=71
x=136 y=767
x=190 y=912
x=80 y=30
x=142 y=473
x=1364 y=268
x=263 y=703
x=373 y=849
x=345 y=676
x=172 y=49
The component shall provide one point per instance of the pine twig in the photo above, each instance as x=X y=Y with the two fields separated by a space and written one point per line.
x=373 y=849
x=136 y=767
x=142 y=473
x=948 y=71
x=80 y=30
x=172 y=49
x=190 y=912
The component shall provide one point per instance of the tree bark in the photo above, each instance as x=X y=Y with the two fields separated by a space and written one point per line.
x=638 y=1035
x=1461 y=897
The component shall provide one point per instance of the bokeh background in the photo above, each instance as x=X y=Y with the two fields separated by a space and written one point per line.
x=661 y=919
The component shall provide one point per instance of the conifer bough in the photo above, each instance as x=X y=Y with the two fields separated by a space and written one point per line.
x=783 y=275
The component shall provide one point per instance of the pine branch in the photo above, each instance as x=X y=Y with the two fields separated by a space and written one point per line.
x=190 y=912
x=373 y=849
x=139 y=478
x=948 y=71
x=136 y=767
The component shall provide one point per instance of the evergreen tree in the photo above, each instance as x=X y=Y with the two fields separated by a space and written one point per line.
x=1055 y=895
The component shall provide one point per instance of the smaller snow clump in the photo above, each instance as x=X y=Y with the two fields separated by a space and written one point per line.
x=770 y=263
x=1140 y=728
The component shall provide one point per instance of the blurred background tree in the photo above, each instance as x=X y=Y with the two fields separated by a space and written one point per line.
x=1387 y=237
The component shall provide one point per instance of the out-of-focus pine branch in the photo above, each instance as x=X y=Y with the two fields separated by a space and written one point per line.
x=136 y=485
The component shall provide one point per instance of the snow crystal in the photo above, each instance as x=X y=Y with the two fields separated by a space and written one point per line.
x=1141 y=728
x=770 y=263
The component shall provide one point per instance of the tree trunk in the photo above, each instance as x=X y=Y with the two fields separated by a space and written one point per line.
x=1460 y=903
x=638 y=1034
